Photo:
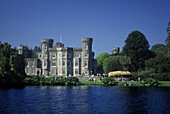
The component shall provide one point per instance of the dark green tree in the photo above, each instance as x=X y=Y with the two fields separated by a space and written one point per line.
x=11 y=72
x=158 y=49
x=137 y=48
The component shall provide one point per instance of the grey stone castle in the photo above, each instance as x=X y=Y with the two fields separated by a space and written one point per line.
x=57 y=60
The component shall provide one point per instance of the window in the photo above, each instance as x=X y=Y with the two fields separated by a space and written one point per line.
x=53 y=56
x=53 y=63
x=85 y=64
x=76 y=71
x=63 y=64
x=45 y=48
x=32 y=64
x=77 y=55
x=86 y=48
x=27 y=64
x=63 y=72
x=64 y=55
x=86 y=56
x=76 y=62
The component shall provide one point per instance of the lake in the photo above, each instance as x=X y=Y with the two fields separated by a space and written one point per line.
x=85 y=99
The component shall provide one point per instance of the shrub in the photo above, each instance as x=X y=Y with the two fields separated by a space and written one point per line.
x=60 y=81
x=109 y=81
x=72 y=81
x=150 y=82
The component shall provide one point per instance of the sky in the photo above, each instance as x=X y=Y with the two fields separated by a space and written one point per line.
x=108 y=22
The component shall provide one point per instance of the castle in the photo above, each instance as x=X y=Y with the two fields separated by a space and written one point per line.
x=57 y=60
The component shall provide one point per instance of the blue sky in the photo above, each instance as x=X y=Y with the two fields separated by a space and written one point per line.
x=108 y=22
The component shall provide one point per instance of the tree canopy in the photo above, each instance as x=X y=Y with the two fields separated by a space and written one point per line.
x=158 y=49
x=114 y=63
x=100 y=59
x=137 y=48
x=12 y=66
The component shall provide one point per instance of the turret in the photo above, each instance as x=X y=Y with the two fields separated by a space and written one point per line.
x=116 y=50
x=45 y=45
x=20 y=50
x=86 y=55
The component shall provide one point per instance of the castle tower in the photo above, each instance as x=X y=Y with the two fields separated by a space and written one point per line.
x=86 y=62
x=116 y=50
x=45 y=45
x=20 y=50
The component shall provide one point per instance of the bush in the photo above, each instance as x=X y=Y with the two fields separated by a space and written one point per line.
x=110 y=81
x=60 y=80
x=72 y=81
x=150 y=82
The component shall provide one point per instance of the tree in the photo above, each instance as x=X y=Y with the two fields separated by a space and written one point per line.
x=101 y=58
x=111 y=64
x=168 y=40
x=137 y=48
x=115 y=63
x=158 y=49
x=159 y=67
x=11 y=72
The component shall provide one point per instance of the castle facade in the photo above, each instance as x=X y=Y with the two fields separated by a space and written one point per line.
x=57 y=60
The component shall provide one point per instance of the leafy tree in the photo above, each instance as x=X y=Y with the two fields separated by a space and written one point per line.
x=158 y=49
x=5 y=53
x=115 y=63
x=11 y=72
x=137 y=48
x=101 y=58
x=168 y=45
x=159 y=67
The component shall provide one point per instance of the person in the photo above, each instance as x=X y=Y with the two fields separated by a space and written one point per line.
x=139 y=79
x=100 y=78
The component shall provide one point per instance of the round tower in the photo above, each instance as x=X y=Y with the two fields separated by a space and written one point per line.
x=116 y=50
x=20 y=50
x=45 y=45
x=86 y=66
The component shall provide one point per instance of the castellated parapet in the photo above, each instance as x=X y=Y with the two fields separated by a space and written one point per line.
x=57 y=60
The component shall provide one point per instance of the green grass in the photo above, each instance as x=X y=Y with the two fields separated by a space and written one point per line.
x=90 y=83
x=136 y=83
x=164 y=83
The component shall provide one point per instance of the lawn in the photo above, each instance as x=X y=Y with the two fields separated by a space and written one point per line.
x=90 y=83
x=164 y=83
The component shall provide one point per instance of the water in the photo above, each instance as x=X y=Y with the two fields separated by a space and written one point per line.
x=85 y=99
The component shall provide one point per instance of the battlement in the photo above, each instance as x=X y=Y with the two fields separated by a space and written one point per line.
x=83 y=40
x=20 y=47
x=46 y=40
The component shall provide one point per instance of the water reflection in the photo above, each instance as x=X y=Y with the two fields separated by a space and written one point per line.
x=85 y=99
